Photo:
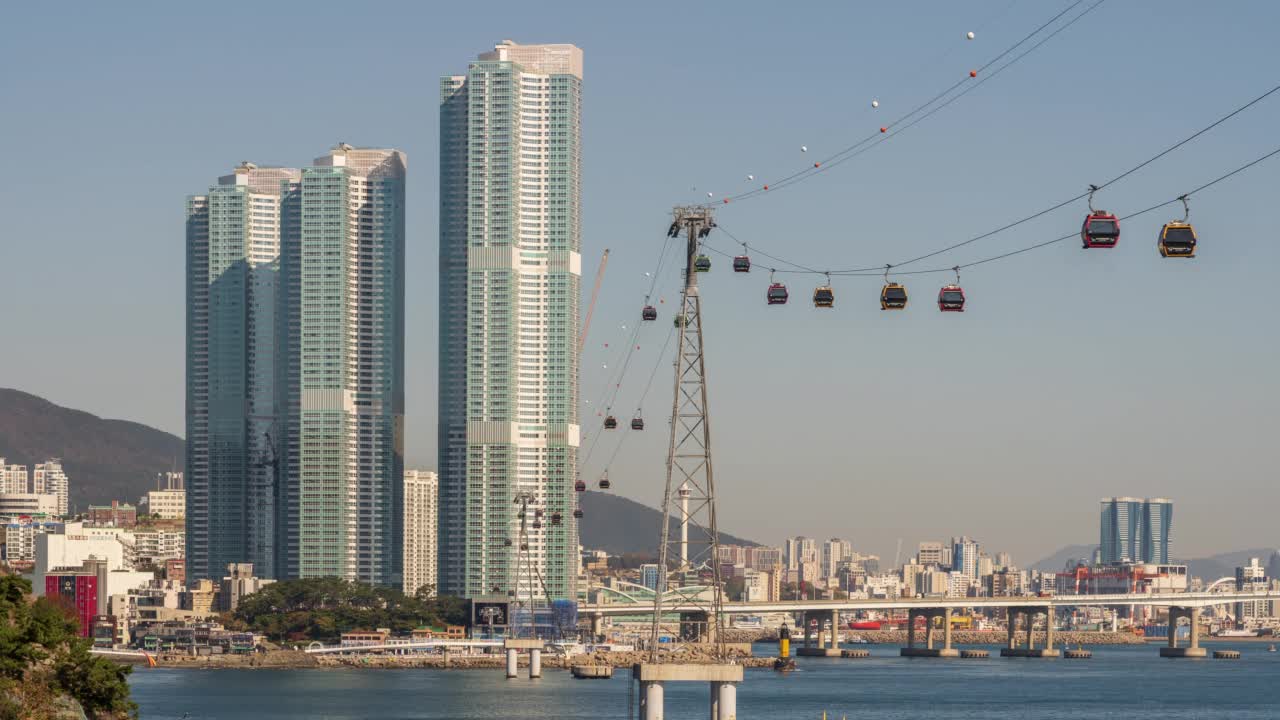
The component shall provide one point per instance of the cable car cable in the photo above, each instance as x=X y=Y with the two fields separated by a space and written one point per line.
x=1045 y=211
x=838 y=157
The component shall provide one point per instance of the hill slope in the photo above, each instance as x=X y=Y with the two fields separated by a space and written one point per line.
x=105 y=459
x=618 y=525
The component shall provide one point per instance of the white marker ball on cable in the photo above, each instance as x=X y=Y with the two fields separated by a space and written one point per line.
x=804 y=148
x=709 y=195
x=751 y=177
x=875 y=103
x=970 y=35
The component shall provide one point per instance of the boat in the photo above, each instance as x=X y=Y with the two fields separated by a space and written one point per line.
x=784 y=664
x=748 y=622
x=1271 y=648
x=1237 y=633
x=858 y=640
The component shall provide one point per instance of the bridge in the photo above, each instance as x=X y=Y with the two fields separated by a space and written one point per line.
x=1182 y=605
x=1181 y=599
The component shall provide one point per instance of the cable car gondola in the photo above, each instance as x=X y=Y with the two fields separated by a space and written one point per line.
x=777 y=294
x=579 y=486
x=577 y=513
x=610 y=423
x=893 y=296
x=951 y=297
x=637 y=423
x=823 y=295
x=1101 y=229
x=1178 y=238
x=741 y=263
x=702 y=263
x=649 y=313
x=604 y=481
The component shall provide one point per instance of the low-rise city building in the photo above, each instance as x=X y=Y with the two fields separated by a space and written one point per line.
x=117 y=514
x=239 y=583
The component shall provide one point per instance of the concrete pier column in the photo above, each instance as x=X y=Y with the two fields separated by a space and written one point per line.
x=1031 y=624
x=808 y=640
x=928 y=630
x=835 y=630
x=946 y=629
x=512 y=664
x=725 y=701
x=651 y=704
x=1048 y=628
x=535 y=664
x=597 y=627
x=1011 y=617
x=714 y=707
x=1195 y=628
x=1173 y=627
x=911 y=628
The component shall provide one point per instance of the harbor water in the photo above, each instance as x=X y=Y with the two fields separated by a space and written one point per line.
x=1118 y=682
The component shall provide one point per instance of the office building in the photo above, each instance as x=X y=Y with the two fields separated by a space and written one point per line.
x=834 y=551
x=48 y=478
x=421 y=491
x=1135 y=531
x=510 y=269
x=117 y=514
x=931 y=553
x=27 y=504
x=649 y=576
x=295 y=369
x=799 y=551
x=20 y=531
x=1252 y=578
x=238 y=583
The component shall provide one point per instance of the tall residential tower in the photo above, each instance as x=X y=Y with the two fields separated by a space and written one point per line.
x=510 y=268
x=295 y=369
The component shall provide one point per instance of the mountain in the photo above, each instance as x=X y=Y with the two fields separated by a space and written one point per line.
x=118 y=460
x=104 y=459
x=1209 y=568
x=1058 y=561
x=618 y=525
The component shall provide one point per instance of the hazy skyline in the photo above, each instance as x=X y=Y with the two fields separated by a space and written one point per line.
x=1072 y=376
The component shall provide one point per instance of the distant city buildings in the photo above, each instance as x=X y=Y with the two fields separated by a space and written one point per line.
x=931 y=553
x=510 y=274
x=295 y=369
x=117 y=514
x=239 y=582
x=1135 y=531
x=421 y=514
x=169 y=502
x=44 y=489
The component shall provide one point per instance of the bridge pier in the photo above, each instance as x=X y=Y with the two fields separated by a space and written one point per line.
x=1029 y=616
x=1193 y=649
x=827 y=645
x=929 y=615
x=535 y=664
x=722 y=681
x=513 y=646
x=597 y=627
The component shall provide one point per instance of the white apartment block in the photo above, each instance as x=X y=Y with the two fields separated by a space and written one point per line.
x=421 y=494
x=167 y=504
x=48 y=478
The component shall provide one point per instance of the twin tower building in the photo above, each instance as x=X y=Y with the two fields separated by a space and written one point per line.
x=296 y=329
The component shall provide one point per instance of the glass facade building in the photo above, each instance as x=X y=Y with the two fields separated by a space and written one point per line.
x=1135 y=530
x=510 y=269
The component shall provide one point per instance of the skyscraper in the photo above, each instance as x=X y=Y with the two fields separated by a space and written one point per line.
x=964 y=557
x=510 y=269
x=1135 y=531
x=233 y=267
x=295 y=347
x=421 y=491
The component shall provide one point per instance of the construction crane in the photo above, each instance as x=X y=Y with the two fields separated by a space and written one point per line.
x=591 y=308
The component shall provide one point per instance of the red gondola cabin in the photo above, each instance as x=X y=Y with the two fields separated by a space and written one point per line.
x=777 y=294
x=951 y=298
x=1101 y=229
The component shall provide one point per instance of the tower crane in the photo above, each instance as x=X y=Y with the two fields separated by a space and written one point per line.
x=591 y=307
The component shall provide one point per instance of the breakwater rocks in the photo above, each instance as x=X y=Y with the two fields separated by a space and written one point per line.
x=269 y=659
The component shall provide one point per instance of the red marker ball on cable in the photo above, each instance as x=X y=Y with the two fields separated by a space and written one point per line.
x=973 y=73
x=884 y=129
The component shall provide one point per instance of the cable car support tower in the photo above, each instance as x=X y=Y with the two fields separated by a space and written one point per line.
x=690 y=487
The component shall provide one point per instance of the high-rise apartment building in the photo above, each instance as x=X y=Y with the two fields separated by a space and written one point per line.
x=964 y=557
x=13 y=479
x=295 y=290
x=834 y=551
x=510 y=269
x=48 y=478
x=799 y=551
x=421 y=512
x=1135 y=531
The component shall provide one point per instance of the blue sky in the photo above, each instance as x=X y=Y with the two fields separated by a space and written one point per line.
x=1073 y=374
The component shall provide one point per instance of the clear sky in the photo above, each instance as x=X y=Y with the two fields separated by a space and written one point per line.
x=1072 y=375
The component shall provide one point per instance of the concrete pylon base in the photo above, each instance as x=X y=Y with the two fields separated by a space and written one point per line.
x=1026 y=653
x=1187 y=652
x=930 y=653
x=818 y=652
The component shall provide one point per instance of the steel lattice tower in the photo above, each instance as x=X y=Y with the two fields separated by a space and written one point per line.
x=690 y=488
